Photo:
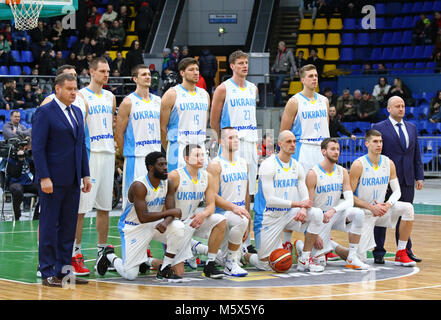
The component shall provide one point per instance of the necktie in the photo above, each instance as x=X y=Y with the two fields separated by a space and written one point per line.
x=72 y=119
x=402 y=137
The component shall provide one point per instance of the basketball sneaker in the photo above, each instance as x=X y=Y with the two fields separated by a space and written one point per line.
x=233 y=269
x=102 y=263
x=320 y=260
x=308 y=264
x=402 y=259
x=287 y=246
x=298 y=248
x=79 y=269
x=211 y=271
x=356 y=264
x=331 y=256
x=167 y=274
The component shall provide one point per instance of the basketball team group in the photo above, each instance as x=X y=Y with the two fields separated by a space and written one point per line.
x=187 y=193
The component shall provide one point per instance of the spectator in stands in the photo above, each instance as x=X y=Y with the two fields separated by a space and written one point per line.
x=82 y=48
x=58 y=36
x=284 y=64
x=308 y=6
x=116 y=34
x=89 y=31
x=47 y=63
x=101 y=36
x=19 y=40
x=345 y=106
x=201 y=83
x=435 y=29
x=176 y=53
x=403 y=91
x=3 y=103
x=332 y=98
x=208 y=68
x=10 y=93
x=435 y=104
x=59 y=60
x=119 y=63
x=154 y=83
x=115 y=84
x=185 y=53
x=266 y=148
x=14 y=128
x=28 y=97
x=133 y=57
x=368 y=69
x=143 y=22
x=368 y=108
x=124 y=17
x=5 y=51
x=335 y=126
x=72 y=60
x=171 y=79
x=168 y=62
x=94 y=16
x=437 y=59
x=382 y=69
x=323 y=9
x=381 y=91
x=7 y=32
x=45 y=85
x=299 y=61
x=40 y=33
x=84 y=78
x=109 y=16
x=421 y=31
x=315 y=60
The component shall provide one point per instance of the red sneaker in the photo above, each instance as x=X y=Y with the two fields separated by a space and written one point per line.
x=402 y=259
x=287 y=246
x=79 y=269
x=331 y=256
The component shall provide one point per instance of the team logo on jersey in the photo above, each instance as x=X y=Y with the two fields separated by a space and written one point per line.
x=185 y=183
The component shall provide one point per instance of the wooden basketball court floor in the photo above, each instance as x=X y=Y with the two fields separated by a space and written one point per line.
x=19 y=259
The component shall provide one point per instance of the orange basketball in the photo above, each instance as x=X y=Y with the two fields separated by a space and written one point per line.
x=280 y=260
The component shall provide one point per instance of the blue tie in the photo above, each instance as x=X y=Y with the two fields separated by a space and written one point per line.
x=72 y=119
x=402 y=137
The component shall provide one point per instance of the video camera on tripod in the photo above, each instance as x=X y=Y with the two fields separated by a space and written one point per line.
x=10 y=148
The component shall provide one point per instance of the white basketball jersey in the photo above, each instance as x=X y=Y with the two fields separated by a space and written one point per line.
x=190 y=192
x=99 y=121
x=329 y=187
x=239 y=110
x=143 y=133
x=154 y=199
x=311 y=122
x=233 y=181
x=285 y=182
x=188 y=118
x=79 y=102
x=373 y=182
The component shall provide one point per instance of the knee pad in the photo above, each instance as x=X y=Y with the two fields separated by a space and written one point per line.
x=408 y=212
x=132 y=274
x=238 y=230
x=315 y=218
x=357 y=217
x=176 y=228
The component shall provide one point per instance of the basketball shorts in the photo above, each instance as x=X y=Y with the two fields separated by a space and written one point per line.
x=308 y=155
x=134 y=167
x=401 y=209
x=248 y=151
x=203 y=232
x=175 y=155
x=102 y=168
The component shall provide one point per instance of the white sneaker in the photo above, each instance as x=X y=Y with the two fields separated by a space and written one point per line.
x=233 y=269
x=303 y=265
x=356 y=264
x=192 y=263
x=298 y=248
x=321 y=260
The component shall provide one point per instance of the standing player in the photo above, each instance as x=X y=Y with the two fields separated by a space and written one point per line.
x=230 y=174
x=184 y=114
x=282 y=202
x=101 y=150
x=370 y=176
x=137 y=129
x=306 y=114
x=191 y=184
x=150 y=214
x=326 y=182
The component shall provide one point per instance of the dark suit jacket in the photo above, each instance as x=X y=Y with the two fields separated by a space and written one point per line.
x=58 y=152
x=407 y=162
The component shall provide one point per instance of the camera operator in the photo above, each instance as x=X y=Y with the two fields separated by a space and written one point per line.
x=20 y=174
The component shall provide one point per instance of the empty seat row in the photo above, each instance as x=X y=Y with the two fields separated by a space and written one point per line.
x=15 y=70
x=387 y=53
x=379 y=38
x=307 y=24
x=399 y=67
x=22 y=56
x=318 y=39
x=406 y=22
x=392 y=8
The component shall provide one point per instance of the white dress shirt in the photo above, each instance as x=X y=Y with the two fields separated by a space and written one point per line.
x=403 y=127
x=63 y=108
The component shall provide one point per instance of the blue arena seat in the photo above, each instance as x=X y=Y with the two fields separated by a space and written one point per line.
x=436 y=6
x=71 y=41
x=396 y=53
x=397 y=68
x=428 y=50
x=396 y=37
x=417 y=7
x=406 y=22
x=430 y=66
x=386 y=54
x=376 y=54
x=349 y=24
x=380 y=23
x=407 y=52
x=380 y=8
x=406 y=7
x=27 y=70
x=347 y=39
x=15 y=70
x=409 y=67
x=418 y=52
x=420 y=67
x=393 y=7
x=4 y=70
x=16 y=55
x=386 y=38
x=356 y=69
x=27 y=57
x=427 y=6
x=347 y=54
x=363 y=38
x=397 y=23
x=406 y=37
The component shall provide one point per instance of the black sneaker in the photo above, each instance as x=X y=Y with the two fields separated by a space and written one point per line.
x=167 y=274
x=102 y=263
x=251 y=249
x=143 y=268
x=211 y=271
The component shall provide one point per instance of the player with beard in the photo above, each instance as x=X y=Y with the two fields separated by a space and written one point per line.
x=184 y=114
x=150 y=214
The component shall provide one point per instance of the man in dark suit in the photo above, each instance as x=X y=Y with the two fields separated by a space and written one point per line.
x=60 y=163
x=400 y=144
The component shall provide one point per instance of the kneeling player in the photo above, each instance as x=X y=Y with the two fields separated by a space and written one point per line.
x=370 y=176
x=282 y=203
x=145 y=219
x=191 y=183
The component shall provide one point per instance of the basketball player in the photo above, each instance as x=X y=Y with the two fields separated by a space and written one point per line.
x=282 y=202
x=184 y=114
x=78 y=266
x=101 y=150
x=370 y=175
x=230 y=175
x=306 y=114
x=137 y=128
x=326 y=182
x=150 y=214
x=191 y=183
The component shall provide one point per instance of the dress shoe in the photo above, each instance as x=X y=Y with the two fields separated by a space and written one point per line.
x=379 y=260
x=52 y=282
x=80 y=281
x=413 y=257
